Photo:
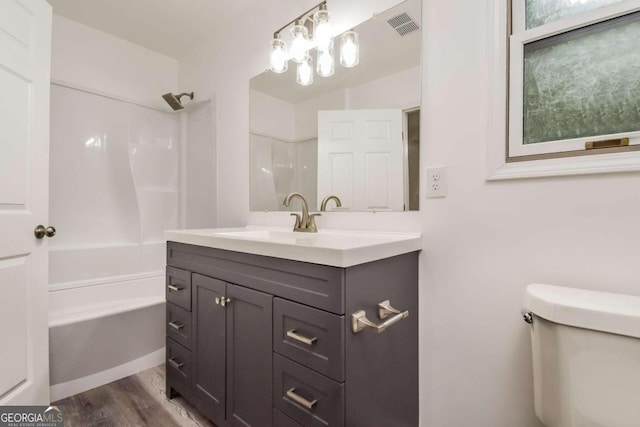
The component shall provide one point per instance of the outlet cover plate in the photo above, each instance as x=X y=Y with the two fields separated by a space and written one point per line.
x=436 y=182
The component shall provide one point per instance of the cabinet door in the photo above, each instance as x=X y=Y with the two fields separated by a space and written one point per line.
x=209 y=324
x=249 y=354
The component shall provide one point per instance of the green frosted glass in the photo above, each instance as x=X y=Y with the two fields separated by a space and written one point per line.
x=584 y=82
x=540 y=12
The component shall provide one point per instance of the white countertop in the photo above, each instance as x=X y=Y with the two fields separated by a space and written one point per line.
x=328 y=247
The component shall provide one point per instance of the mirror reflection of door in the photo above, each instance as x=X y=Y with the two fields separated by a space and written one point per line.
x=361 y=159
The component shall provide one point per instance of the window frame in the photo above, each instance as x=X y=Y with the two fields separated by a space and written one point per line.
x=497 y=165
x=519 y=37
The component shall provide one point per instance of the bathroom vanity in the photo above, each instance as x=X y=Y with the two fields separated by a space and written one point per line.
x=274 y=328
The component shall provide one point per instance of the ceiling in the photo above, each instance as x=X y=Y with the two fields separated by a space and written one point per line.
x=382 y=52
x=170 y=27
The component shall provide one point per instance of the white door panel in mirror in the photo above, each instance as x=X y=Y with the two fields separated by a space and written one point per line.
x=284 y=119
x=365 y=171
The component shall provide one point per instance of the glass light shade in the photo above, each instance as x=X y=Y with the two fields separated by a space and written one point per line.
x=278 y=62
x=304 y=75
x=299 y=43
x=350 y=49
x=326 y=63
x=322 y=29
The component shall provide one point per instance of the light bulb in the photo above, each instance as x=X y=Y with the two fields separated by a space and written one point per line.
x=278 y=61
x=300 y=42
x=322 y=27
x=326 y=63
x=304 y=76
x=350 y=49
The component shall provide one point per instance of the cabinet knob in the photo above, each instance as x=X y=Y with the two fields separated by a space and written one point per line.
x=223 y=301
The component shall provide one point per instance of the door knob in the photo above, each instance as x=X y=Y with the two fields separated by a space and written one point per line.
x=41 y=231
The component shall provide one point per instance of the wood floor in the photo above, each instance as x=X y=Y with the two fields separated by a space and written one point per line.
x=138 y=400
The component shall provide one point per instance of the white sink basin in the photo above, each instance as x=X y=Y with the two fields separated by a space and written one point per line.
x=328 y=247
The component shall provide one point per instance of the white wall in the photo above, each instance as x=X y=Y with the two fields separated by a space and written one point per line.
x=272 y=117
x=90 y=58
x=483 y=243
x=393 y=91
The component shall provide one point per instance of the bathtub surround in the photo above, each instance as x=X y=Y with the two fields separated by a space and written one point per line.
x=119 y=161
x=483 y=243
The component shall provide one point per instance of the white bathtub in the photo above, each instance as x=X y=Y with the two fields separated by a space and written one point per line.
x=104 y=327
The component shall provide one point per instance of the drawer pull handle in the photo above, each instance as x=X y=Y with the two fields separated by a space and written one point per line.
x=360 y=322
x=176 y=326
x=291 y=394
x=177 y=365
x=174 y=288
x=296 y=336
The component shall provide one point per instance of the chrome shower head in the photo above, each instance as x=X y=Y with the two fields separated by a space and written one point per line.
x=174 y=100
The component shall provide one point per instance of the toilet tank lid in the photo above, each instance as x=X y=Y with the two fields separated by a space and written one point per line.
x=600 y=311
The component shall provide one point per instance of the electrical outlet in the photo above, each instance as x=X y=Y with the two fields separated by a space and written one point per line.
x=436 y=182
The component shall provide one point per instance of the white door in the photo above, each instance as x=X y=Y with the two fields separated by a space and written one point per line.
x=361 y=159
x=25 y=50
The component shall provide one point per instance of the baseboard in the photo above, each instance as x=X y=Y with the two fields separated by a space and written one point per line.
x=70 y=388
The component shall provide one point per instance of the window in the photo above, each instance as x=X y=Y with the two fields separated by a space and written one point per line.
x=574 y=77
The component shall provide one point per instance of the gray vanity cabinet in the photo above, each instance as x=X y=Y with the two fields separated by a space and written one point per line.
x=231 y=352
x=267 y=342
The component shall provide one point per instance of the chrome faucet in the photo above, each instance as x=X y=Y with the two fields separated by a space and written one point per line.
x=323 y=206
x=305 y=223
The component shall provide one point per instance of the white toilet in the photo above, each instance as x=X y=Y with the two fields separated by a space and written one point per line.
x=586 y=356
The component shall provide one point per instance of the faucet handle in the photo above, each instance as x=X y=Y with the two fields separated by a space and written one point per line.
x=298 y=221
x=312 y=222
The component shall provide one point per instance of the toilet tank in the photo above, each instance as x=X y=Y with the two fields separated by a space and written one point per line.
x=586 y=356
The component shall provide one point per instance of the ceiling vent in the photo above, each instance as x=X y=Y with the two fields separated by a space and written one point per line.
x=403 y=24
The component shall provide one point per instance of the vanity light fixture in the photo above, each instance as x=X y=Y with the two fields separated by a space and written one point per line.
x=304 y=75
x=279 y=61
x=350 y=49
x=322 y=34
x=308 y=32
x=326 y=66
x=300 y=43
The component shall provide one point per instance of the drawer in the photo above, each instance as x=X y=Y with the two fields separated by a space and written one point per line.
x=306 y=396
x=281 y=420
x=311 y=337
x=179 y=324
x=315 y=285
x=179 y=287
x=178 y=362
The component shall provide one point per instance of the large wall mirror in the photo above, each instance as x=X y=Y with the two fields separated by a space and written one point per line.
x=355 y=135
